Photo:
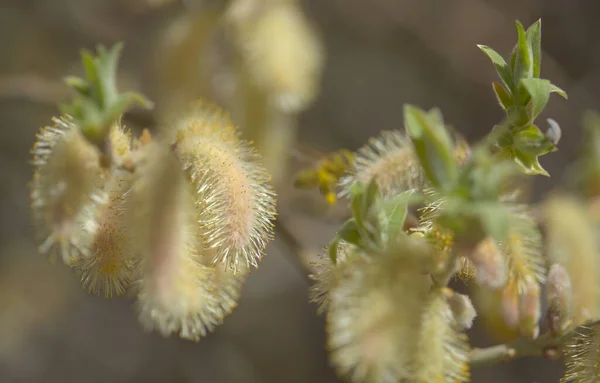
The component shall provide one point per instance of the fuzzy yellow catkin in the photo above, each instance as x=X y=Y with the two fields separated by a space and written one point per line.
x=181 y=290
x=572 y=242
x=373 y=317
x=279 y=49
x=109 y=269
x=232 y=194
x=523 y=249
x=442 y=352
x=390 y=159
x=66 y=190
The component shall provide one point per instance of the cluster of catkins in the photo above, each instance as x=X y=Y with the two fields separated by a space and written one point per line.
x=179 y=219
x=387 y=319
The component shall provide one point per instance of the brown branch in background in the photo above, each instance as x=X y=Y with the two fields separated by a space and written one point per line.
x=32 y=87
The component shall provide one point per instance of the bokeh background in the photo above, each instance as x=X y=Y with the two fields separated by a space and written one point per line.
x=380 y=54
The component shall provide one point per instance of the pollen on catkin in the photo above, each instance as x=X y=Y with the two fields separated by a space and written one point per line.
x=373 y=317
x=390 y=159
x=232 y=194
x=180 y=289
x=66 y=190
x=110 y=267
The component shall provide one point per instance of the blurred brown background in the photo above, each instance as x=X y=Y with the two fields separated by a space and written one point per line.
x=380 y=54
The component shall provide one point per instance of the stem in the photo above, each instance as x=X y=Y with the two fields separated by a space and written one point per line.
x=541 y=346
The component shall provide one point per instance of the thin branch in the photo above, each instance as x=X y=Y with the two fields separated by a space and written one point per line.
x=547 y=346
x=295 y=249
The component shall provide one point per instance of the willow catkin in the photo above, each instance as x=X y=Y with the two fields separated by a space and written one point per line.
x=181 y=289
x=109 y=269
x=279 y=49
x=442 y=351
x=232 y=194
x=373 y=317
x=572 y=243
x=390 y=159
x=66 y=190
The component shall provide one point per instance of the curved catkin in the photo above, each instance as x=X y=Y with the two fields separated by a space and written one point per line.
x=372 y=319
x=280 y=50
x=236 y=204
x=442 y=352
x=390 y=160
x=109 y=269
x=179 y=290
x=66 y=190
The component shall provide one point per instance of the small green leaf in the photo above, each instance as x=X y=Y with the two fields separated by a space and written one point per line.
x=504 y=98
x=539 y=90
x=518 y=116
x=494 y=219
x=532 y=141
x=500 y=65
x=370 y=194
x=555 y=89
x=523 y=67
x=529 y=164
x=534 y=40
x=432 y=143
x=350 y=232
x=332 y=250
x=394 y=211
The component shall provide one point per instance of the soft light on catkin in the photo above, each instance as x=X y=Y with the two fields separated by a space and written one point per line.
x=572 y=243
x=441 y=353
x=109 y=268
x=280 y=50
x=390 y=160
x=232 y=195
x=66 y=190
x=179 y=290
x=373 y=317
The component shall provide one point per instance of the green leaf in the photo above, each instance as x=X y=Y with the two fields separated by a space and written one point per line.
x=432 y=143
x=494 y=219
x=523 y=67
x=533 y=142
x=394 y=212
x=97 y=103
x=529 y=164
x=518 y=116
x=555 y=89
x=504 y=98
x=332 y=249
x=534 y=40
x=500 y=65
x=539 y=90
x=350 y=232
